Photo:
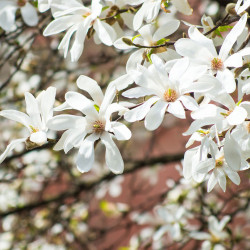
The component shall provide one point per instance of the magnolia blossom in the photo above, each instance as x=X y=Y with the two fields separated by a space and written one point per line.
x=168 y=92
x=149 y=35
x=174 y=218
x=39 y=111
x=223 y=118
x=83 y=132
x=150 y=9
x=8 y=10
x=202 y=51
x=216 y=235
x=80 y=20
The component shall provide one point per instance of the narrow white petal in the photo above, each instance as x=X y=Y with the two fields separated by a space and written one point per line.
x=113 y=156
x=232 y=152
x=105 y=32
x=10 y=147
x=232 y=37
x=211 y=182
x=17 y=116
x=91 y=86
x=121 y=131
x=140 y=112
x=189 y=102
x=155 y=115
x=86 y=156
x=238 y=116
x=176 y=109
x=63 y=122
x=183 y=6
x=29 y=14
x=166 y=30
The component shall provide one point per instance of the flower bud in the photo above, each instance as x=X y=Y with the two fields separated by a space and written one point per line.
x=127 y=41
x=230 y=9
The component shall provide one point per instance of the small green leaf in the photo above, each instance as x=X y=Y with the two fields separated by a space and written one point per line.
x=104 y=8
x=162 y=41
x=135 y=37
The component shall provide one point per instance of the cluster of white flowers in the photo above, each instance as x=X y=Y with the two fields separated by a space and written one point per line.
x=191 y=77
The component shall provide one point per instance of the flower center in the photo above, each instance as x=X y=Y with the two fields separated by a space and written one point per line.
x=21 y=3
x=170 y=95
x=217 y=64
x=98 y=127
x=33 y=129
x=219 y=162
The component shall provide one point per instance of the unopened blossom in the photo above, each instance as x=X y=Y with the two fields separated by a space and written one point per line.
x=39 y=111
x=83 y=132
x=216 y=235
x=202 y=51
x=82 y=21
x=8 y=10
x=167 y=92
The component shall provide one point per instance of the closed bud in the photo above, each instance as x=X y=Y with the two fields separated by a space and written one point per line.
x=230 y=9
x=127 y=41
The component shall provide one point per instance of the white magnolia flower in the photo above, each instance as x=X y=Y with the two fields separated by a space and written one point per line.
x=80 y=20
x=216 y=236
x=39 y=111
x=223 y=118
x=83 y=132
x=150 y=9
x=242 y=5
x=8 y=10
x=168 y=91
x=174 y=219
x=225 y=162
x=202 y=51
x=150 y=35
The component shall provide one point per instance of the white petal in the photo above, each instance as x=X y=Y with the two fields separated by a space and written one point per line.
x=237 y=117
x=63 y=122
x=183 y=6
x=194 y=51
x=59 y=25
x=86 y=157
x=232 y=152
x=197 y=36
x=189 y=102
x=105 y=32
x=17 y=116
x=29 y=14
x=211 y=182
x=113 y=156
x=178 y=69
x=140 y=112
x=119 y=44
x=176 y=109
x=122 y=82
x=234 y=60
x=232 y=37
x=121 y=131
x=10 y=147
x=233 y=176
x=47 y=103
x=7 y=18
x=39 y=138
x=167 y=29
x=137 y=92
x=33 y=110
x=138 y=18
x=155 y=115
x=80 y=102
x=91 y=86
